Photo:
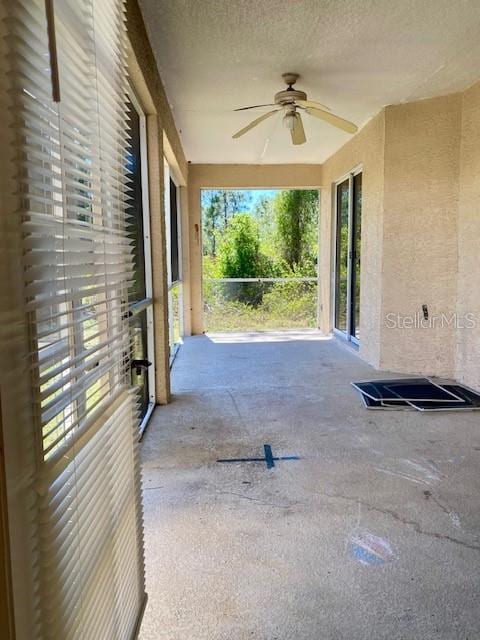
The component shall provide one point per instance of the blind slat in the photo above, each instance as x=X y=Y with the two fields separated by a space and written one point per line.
x=73 y=188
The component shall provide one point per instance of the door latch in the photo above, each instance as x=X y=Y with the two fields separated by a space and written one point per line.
x=140 y=366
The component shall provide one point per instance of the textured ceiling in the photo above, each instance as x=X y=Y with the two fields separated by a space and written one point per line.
x=354 y=55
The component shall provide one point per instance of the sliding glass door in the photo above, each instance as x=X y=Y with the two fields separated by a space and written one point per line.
x=356 y=255
x=140 y=290
x=174 y=261
x=348 y=199
x=341 y=257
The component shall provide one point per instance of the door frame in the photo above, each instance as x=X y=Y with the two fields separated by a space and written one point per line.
x=344 y=335
x=170 y=175
x=147 y=248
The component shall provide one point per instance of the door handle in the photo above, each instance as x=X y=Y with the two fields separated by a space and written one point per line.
x=140 y=366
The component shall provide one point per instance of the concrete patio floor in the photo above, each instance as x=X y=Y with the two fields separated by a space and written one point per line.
x=373 y=534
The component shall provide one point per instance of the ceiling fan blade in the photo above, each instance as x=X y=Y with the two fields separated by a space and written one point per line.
x=312 y=104
x=256 y=106
x=298 y=132
x=254 y=123
x=336 y=121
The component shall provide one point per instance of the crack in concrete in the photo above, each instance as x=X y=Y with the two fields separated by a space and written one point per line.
x=447 y=510
x=235 y=404
x=258 y=501
x=413 y=523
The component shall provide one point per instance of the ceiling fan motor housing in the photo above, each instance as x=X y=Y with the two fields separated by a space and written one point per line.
x=290 y=101
x=288 y=96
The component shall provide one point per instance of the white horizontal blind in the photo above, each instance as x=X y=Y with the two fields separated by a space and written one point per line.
x=77 y=264
x=91 y=577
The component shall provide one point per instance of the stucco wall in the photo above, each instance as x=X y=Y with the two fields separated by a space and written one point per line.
x=468 y=301
x=365 y=149
x=162 y=140
x=234 y=176
x=422 y=144
x=420 y=163
x=419 y=220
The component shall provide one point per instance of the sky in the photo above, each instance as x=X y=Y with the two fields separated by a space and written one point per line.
x=255 y=195
x=258 y=194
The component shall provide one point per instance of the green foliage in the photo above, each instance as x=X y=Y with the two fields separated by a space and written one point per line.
x=286 y=230
x=211 y=267
x=284 y=305
x=239 y=252
x=265 y=215
x=342 y=261
x=278 y=238
x=218 y=207
x=296 y=228
x=239 y=256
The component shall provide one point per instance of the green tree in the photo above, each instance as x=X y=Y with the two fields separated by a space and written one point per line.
x=239 y=252
x=218 y=207
x=239 y=256
x=211 y=221
x=296 y=218
x=265 y=215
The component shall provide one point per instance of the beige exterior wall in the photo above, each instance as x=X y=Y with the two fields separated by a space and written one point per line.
x=420 y=163
x=234 y=176
x=422 y=143
x=366 y=149
x=420 y=229
x=468 y=299
x=254 y=176
x=162 y=140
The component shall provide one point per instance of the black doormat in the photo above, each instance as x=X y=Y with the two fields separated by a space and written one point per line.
x=470 y=401
x=382 y=404
x=405 y=389
x=421 y=394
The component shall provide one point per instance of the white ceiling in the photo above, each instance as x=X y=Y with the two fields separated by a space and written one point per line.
x=354 y=55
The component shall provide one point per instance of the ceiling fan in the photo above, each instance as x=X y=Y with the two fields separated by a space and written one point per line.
x=291 y=101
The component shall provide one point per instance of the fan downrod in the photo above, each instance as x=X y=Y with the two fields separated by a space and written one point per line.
x=290 y=78
x=287 y=97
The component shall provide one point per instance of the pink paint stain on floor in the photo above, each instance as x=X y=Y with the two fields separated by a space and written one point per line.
x=369 y=549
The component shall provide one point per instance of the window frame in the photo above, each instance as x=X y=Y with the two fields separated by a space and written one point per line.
x=139 y=306
x=169 y=176
x=350 y=176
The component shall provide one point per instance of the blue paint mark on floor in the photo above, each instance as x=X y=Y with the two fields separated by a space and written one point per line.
x=269 y=458
x=365 y=557
x=370 y=549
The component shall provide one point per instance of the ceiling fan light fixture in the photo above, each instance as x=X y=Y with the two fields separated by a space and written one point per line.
x=289 y=120
x=290 y=101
